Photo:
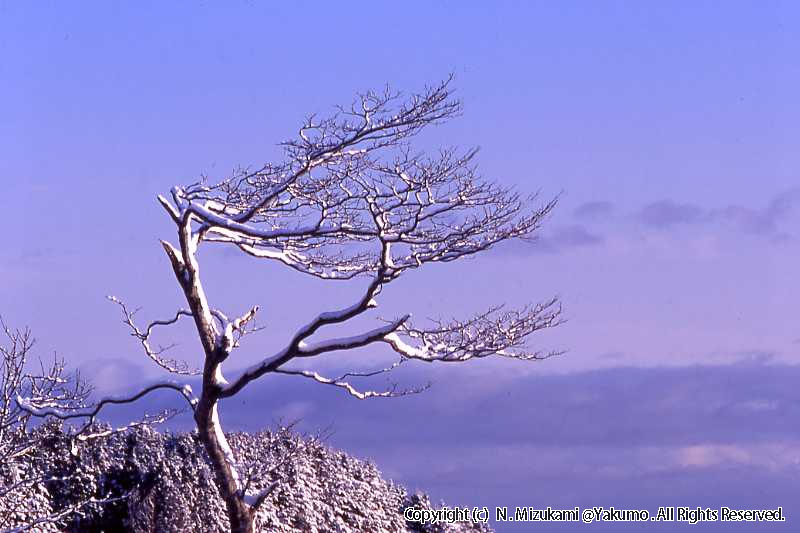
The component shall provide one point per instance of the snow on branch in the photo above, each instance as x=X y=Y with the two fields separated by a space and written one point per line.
x=257 y=471
x=255 y=500
x=372 y=373
x=392 y=392
x=351 y=185
x=50 y=408
x=491 y=333
x=298 y=348
x=49 y=384
x=89 y=432
x=24 y=482
x=232 y=331
x=347 y=343
x=171 y=365
x=328 y=265
x=373 y=122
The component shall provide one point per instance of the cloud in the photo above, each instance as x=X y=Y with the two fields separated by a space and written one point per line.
x=112 y=375
x=684 y=414
x=575 y=235
x=701 y=435
x=667 y=213
x=784 y=204
x=613 y=355
x=620 y=406
x=663 y=215
x=594 y=210
x=755 y=356
x=760 y=222
x=552 y=241
x=566 y=237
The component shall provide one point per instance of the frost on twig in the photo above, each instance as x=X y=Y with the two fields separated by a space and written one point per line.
x=423 y=210
x=54 y=409
x=342 y=382
x=49 y=385
x=393 y=392
x=495 y=332
x=89 y=431
x=355 y=179
x=155 y=354
x=354 y=198
x=232 y=331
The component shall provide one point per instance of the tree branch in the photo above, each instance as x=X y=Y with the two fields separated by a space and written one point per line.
x=490 y=333
x=296 y=347
x=346 y=343
x=48 y=409
x=171 y=365
x=391 y=393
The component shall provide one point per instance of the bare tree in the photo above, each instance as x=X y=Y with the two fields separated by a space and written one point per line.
x=351 y=199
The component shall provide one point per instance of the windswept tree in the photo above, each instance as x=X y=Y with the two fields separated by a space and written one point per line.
x=352 y=199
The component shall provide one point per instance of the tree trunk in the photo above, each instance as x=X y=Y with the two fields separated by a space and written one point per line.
x=240 y=515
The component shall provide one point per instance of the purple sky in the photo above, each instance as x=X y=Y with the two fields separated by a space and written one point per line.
x=671 y=130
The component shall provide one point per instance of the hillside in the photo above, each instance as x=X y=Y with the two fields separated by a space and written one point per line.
x=169 y=485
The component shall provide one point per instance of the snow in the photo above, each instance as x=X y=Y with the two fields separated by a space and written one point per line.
x=354 y=341
x=27 y=405
x=406 y=349
x=218 y=378
x=330 y=316
x=316 y=488
x=214 y=219
x=223 y=443
x=253 y=499
x=254 y=370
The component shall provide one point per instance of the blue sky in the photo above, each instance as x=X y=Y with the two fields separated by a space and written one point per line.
x=670 y=129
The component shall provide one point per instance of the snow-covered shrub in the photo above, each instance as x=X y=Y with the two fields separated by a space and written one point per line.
x=169 y=485
x=27 y=487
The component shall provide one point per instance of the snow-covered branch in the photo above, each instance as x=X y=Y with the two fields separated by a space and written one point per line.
x=255 y=500
x=49 y=385
x=372 y=373
x=425 y=209
x=491 y=333
x=347 y=343
x=353 y=179
x=232 y=331
x=392 y=392
x=297 y=347
x=328 y=265
x=89 y=432
x=49 y=408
